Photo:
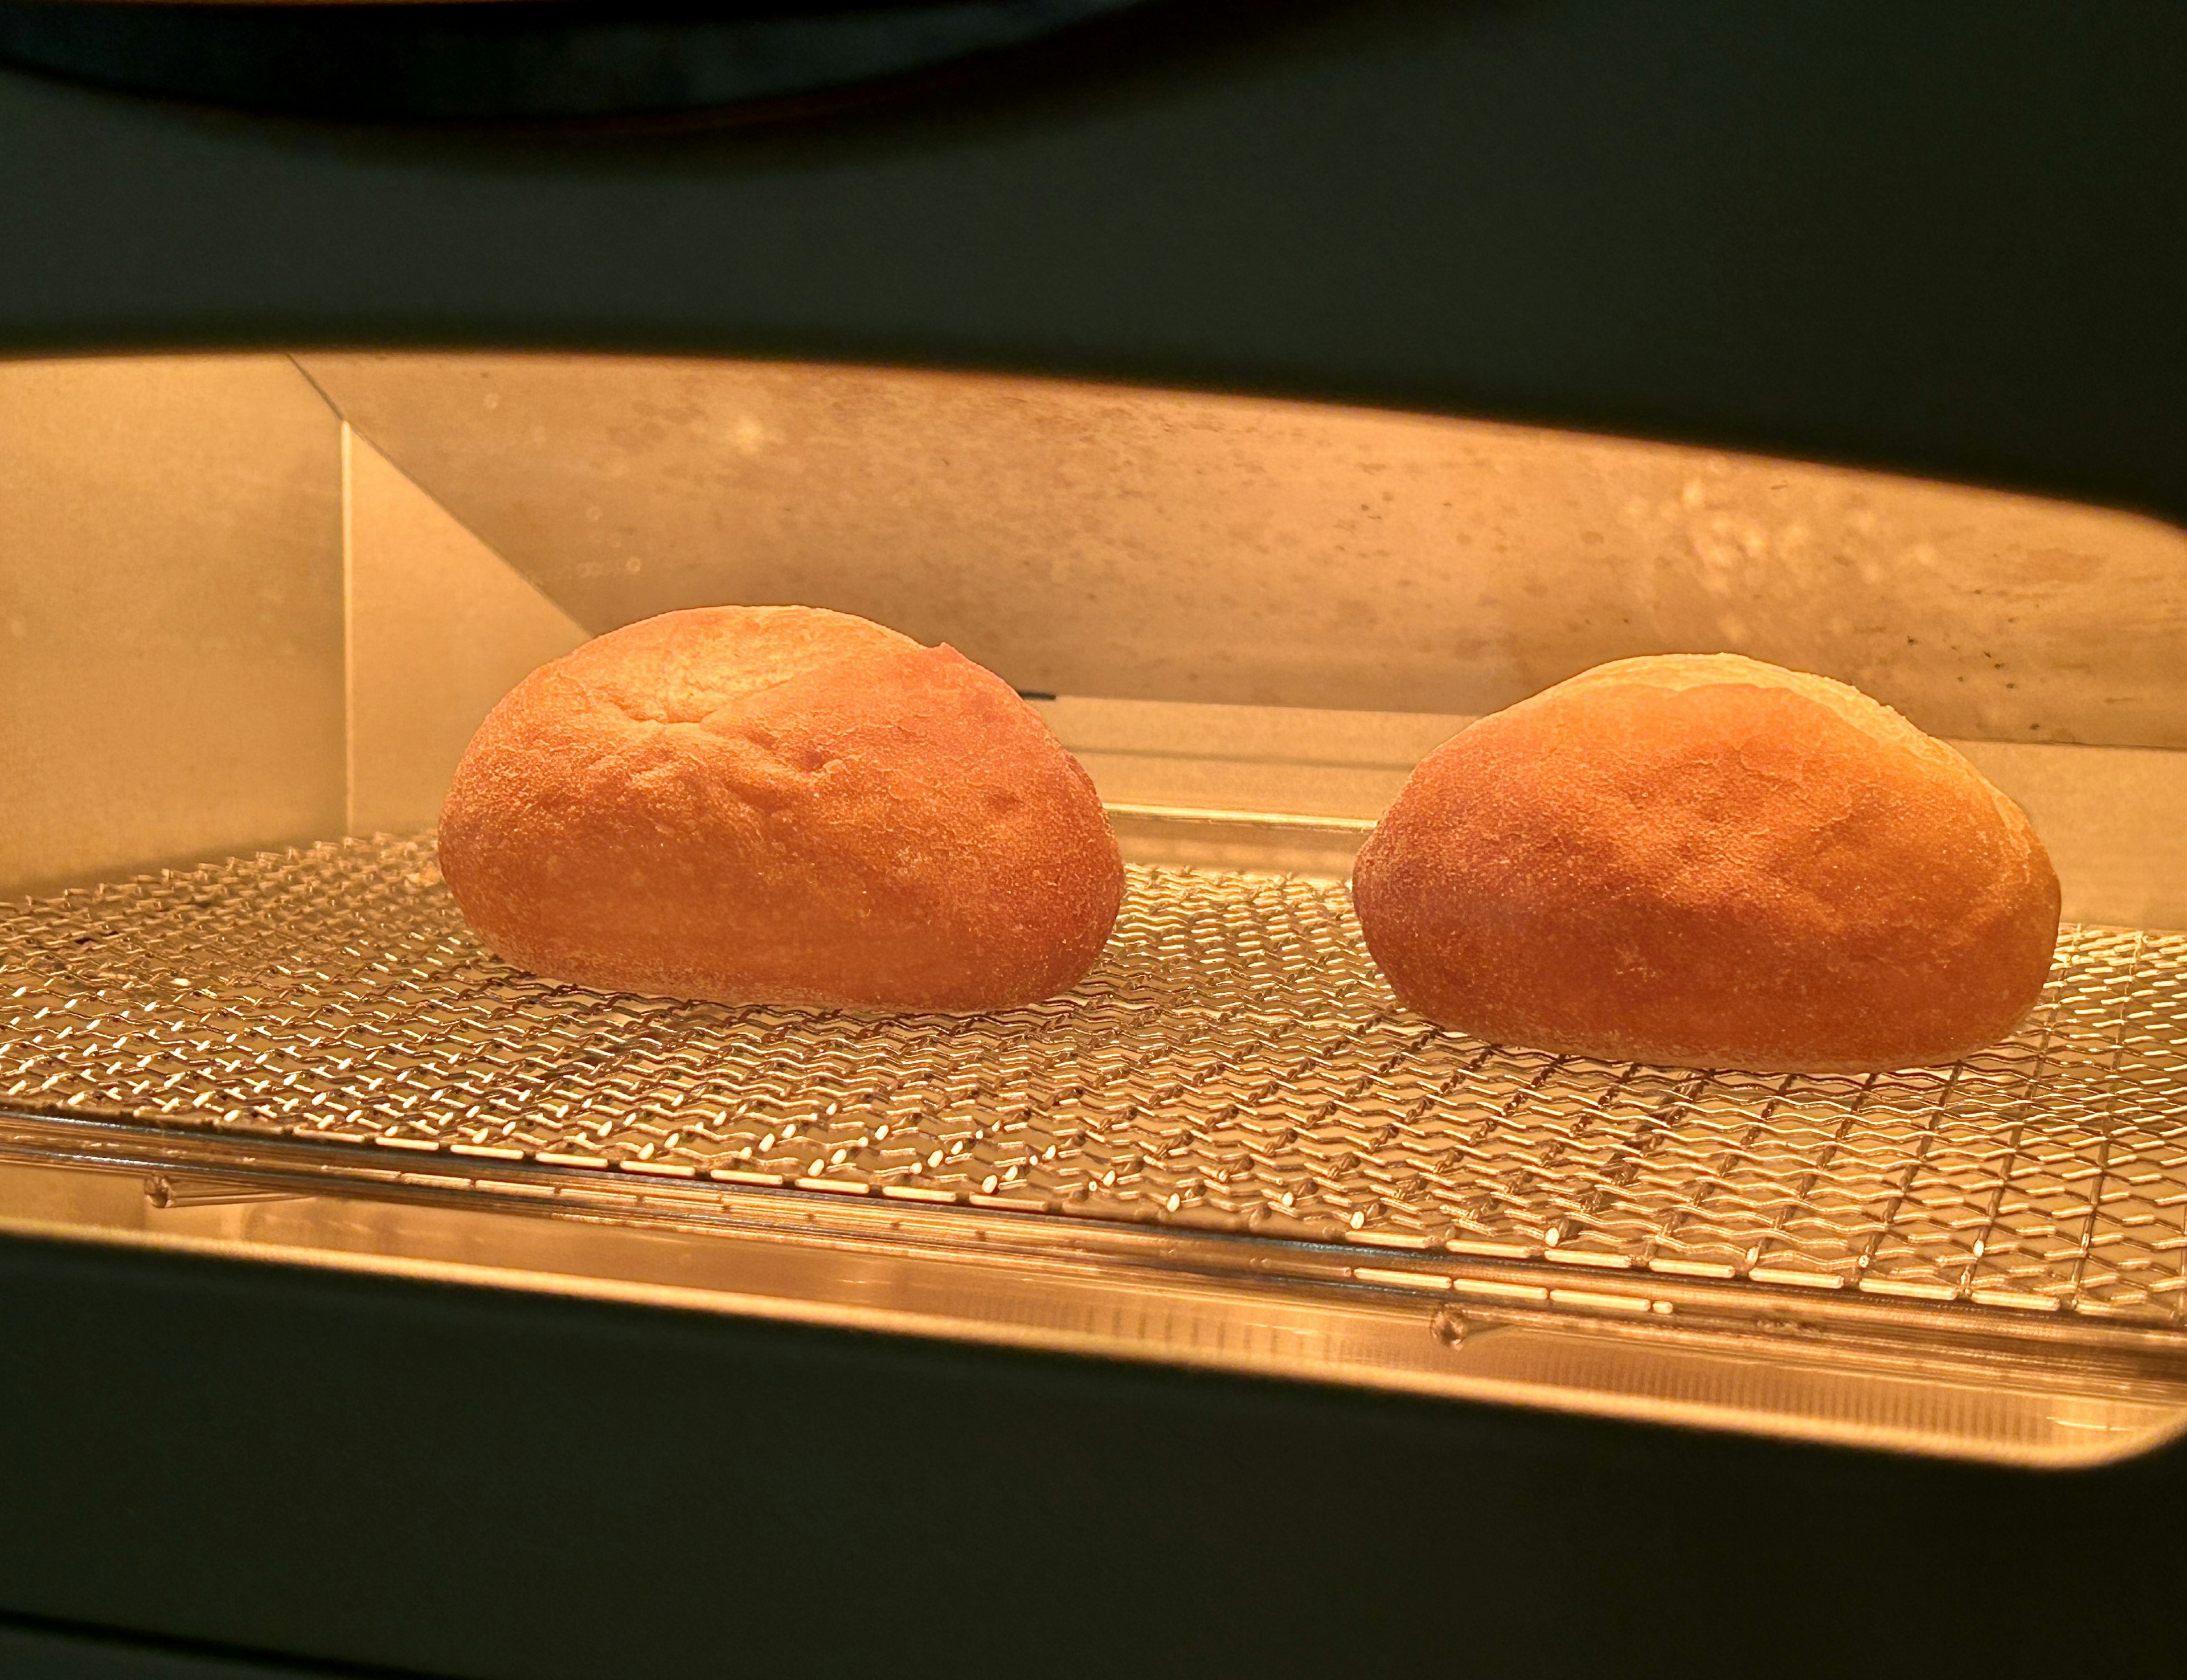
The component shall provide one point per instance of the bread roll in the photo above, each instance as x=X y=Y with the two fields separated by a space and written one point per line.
x=1707 y=861
x=780 y=805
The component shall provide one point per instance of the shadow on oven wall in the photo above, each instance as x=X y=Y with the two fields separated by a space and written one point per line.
x=1934 y=239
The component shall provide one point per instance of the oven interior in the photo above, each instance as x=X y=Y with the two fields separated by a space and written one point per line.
x=253 y=605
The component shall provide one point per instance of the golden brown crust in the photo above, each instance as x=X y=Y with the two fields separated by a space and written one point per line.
x=1708 y=861
x=780 y=805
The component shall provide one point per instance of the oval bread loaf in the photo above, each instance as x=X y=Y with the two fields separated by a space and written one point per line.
x=780 y=805
x=1707 y=861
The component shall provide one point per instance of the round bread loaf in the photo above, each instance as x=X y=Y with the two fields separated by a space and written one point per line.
x=1707 y=861
x=780 y=805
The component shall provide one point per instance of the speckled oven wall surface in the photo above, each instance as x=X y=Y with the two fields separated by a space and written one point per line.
x=1091 y=540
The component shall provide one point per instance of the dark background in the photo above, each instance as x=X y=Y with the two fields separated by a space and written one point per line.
x=499 y=59
x=454 y=1481
x=1949 y=236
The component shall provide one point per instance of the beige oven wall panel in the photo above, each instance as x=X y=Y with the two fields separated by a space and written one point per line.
x=1103 y=542
x=439 y=630
x=170 y=631
x=2113 y=819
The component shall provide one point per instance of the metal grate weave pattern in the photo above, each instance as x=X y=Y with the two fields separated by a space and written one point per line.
x=1235 y=1062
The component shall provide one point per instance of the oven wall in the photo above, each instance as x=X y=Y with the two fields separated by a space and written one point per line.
x=170 y=614
x=1169 y=546
x=440 y=628
x=1259 y=606
x=226 y=624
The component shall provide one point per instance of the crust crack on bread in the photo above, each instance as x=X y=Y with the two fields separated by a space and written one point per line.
x=1702 y=860
x=780 y=805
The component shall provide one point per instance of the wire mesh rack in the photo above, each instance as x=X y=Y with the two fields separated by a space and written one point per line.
x=1235 y=1063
